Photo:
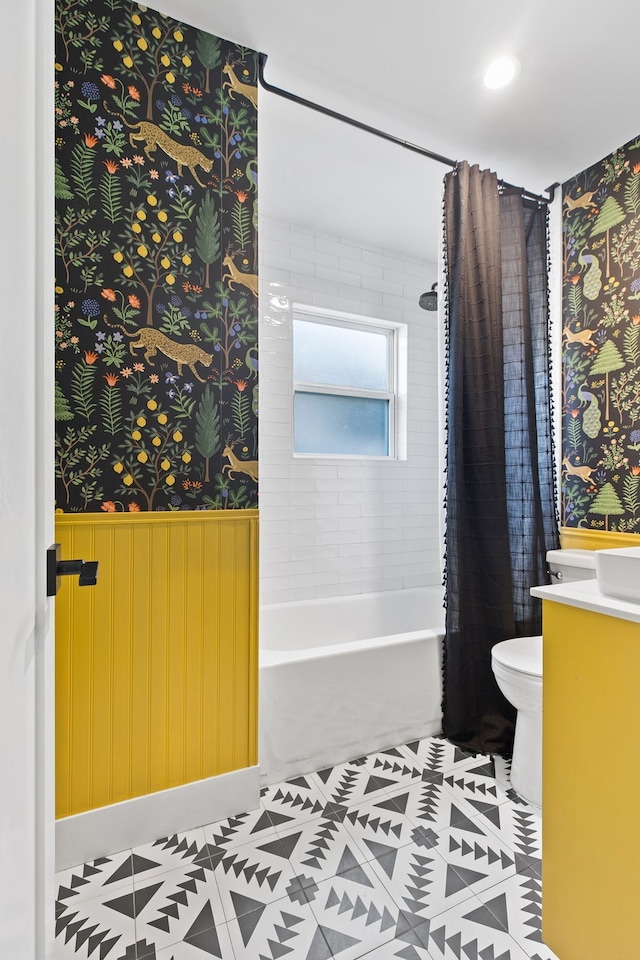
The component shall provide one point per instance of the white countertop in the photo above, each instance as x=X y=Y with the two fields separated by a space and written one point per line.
x=586 y=594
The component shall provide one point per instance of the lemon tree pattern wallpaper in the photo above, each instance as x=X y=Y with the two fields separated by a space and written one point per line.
x=156 y=397
x=601 y=345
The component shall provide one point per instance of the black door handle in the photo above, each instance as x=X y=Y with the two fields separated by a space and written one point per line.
x=86 y=571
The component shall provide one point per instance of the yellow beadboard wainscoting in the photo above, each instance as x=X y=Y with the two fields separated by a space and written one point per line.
x=576 y=538
x=157 y=665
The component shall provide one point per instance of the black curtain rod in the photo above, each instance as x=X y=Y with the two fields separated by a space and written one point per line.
x=262 y=59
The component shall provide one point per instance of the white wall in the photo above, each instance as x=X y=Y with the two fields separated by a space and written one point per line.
x=332 y=526
x=26 y=490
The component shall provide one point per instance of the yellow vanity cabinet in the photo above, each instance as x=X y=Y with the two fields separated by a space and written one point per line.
x=591 y=774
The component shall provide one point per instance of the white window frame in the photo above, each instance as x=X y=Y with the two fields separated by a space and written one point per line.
x=396 y=334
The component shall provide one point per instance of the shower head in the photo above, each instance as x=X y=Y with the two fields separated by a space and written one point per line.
x=429 y=300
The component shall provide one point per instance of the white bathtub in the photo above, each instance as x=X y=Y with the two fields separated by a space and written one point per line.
x=344 y=676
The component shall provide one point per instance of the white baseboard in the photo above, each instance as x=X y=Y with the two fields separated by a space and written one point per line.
x=120 y=826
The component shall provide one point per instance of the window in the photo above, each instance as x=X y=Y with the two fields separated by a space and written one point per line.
x=345 y=390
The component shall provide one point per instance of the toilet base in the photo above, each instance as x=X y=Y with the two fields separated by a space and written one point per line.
x=526 y=764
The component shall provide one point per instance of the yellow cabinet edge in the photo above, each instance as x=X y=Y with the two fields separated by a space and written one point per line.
x=575 y=538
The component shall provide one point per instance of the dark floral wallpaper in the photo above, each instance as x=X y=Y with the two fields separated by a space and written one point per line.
x=601 y=345
x=156 y=263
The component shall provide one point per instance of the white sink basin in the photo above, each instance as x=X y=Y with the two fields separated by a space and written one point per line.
x=618 y=573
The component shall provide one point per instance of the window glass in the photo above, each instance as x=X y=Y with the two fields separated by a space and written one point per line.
x=343 y=356
x=333 y=424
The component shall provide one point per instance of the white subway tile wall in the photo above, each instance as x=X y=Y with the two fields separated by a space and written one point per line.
x=331 y=526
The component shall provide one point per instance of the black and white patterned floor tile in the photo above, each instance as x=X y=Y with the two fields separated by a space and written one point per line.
x=421 y=852
x=162 y=856
x=438 y=755
x=445 y=869
x=432 y=806
x=477 y=784
x=368 y=778
x=473 y=929
x=178 y=905
x=295 y=800
x=519 y=899
x=258 y=872
x=277 y=929
x=520 y=827
x=378 y=825
x=200 y=943
x=98 y=925
x=225 y=835
x=94 y=908
x=355 y=912
x=323 y=847
x=106 y=875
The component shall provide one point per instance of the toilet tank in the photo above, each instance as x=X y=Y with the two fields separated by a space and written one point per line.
x=567 y=565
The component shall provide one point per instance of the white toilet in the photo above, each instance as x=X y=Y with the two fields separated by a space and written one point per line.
x=517 y=666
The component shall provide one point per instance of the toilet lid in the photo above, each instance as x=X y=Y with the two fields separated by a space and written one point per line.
x=523 y=654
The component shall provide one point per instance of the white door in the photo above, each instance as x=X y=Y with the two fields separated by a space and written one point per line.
x=26 y=489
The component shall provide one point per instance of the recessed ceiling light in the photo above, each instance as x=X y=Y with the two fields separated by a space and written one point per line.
x=501 y=72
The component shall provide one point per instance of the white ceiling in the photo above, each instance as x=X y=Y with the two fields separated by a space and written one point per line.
x=414 y=68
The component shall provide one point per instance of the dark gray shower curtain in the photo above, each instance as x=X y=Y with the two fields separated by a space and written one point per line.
x=500 y=502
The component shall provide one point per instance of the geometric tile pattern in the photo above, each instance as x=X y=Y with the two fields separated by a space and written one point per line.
x=419 y=852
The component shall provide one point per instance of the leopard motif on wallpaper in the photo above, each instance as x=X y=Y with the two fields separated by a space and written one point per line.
x=156 y=392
